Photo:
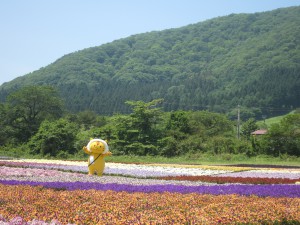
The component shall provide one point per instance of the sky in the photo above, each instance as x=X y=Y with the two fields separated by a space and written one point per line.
x=35 y=33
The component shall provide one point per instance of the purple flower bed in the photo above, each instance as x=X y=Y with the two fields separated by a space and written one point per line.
x=283 y=190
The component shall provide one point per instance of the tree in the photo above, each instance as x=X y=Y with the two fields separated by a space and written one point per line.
x=5 y=131
x=179 y=121
x=31 y=105
x=211 y=123
x=248 y=127
x=176 y=131
x=89 y=119
x=284 y=137
x=139 y=132
x=145 y=116
x=55 y=138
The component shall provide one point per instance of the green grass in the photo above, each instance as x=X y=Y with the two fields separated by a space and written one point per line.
x=198 y=158
x=268 y=122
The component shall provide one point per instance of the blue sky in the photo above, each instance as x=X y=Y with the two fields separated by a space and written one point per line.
x=35 y=33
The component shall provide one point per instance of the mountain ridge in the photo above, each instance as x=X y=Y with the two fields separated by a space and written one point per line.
x=215 y=64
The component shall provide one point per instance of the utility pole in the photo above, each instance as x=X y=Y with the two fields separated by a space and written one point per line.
x=238 y=122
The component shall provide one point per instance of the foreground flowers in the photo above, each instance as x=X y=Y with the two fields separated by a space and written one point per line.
x=110 y=207
x=292 y=191
x=60 y=192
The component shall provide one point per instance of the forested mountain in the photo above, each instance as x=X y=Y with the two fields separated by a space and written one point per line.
x=252 y=60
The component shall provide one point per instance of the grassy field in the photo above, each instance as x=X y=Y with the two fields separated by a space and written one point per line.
x=200 y=159
x=268 y=122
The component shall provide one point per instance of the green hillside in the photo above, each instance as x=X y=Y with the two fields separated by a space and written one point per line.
x=273 y=120
x=248 y=59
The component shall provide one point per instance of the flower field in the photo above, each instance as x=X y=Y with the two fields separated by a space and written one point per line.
x=61 y=192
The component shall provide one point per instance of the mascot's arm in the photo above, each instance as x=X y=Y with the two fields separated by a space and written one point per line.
x=107 y=154
x=86 y=150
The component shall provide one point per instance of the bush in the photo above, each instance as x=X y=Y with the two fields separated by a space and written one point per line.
x=14 y=151
x=220 y=144
x=53 y=138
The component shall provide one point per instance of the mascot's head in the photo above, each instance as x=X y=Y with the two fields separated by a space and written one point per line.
x=98 y=146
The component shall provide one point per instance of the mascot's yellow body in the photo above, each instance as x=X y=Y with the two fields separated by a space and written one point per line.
x=97 y=149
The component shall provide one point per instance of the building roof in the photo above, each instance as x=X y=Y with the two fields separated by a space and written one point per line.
x=259 y=132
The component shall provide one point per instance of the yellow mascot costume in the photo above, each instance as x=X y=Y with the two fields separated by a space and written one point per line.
x=97 y=149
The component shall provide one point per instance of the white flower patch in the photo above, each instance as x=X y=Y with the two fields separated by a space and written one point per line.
x=156 y=171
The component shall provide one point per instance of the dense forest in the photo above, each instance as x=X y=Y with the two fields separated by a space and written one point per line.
x=251 y=60
x=34 y=122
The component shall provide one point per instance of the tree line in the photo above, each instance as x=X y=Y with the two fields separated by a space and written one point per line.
x=34 y=122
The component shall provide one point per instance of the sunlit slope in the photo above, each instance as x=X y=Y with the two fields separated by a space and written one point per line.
x=247 y=59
